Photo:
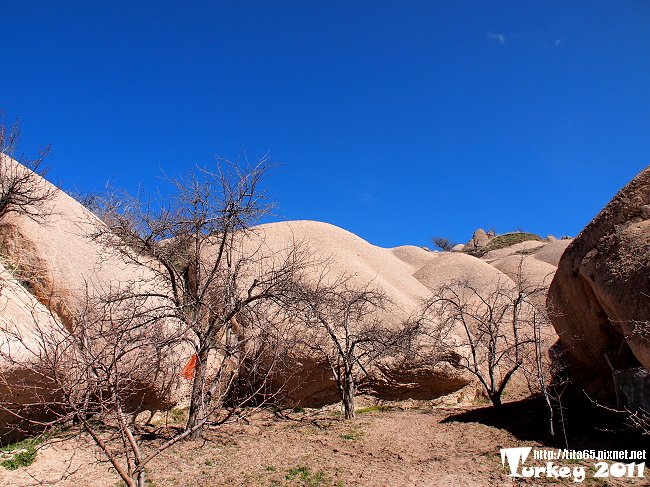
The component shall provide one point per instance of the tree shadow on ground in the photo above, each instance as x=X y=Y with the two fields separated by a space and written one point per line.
x=585 y=426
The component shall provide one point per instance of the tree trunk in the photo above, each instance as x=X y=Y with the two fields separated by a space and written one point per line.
x=549 y=406
x=197 y=410
x=348 y=397
x=495 y=397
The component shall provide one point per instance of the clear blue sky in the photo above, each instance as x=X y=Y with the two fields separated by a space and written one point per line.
x=395 y=120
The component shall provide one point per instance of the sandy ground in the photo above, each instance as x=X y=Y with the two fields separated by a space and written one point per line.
x=406 y=444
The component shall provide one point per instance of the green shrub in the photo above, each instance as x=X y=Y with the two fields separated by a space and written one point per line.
x=178 y=415
x=353 y=435
x=372 y=409
x=305 y=476
x=503 y=241
x=25 y=453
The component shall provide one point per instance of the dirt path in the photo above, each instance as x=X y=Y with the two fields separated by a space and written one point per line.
x=412 y=447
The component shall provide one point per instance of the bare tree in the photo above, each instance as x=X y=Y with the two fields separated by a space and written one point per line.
x=93 y=372
x=492 y=332
x=22 y=190
x=114 y=359
x=444 y=243
x=547 y=372
x=345 y=329
x=206 y=273
x=542 y=365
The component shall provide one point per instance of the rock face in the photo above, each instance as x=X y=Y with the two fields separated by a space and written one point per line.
x=521 y=248
x=450 y=267
x=57 y=259
x=20 y=311
x=414 y=257
x=392 y=271
x=479 y=239
x=527 y=269
x=552 y=251
x=57 y=263
x=600 y=296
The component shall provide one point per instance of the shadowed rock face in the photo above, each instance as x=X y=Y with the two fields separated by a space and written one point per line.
x=57 y=263
x=416 y=383
x=21 y=390
x=600 y=296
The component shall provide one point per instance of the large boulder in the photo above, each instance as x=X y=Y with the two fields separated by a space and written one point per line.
x=599 y=299
x=21 y=318
x=65 y=270
x=552 y=251
x=337 y=252
x=479 y=239
x=450 y=267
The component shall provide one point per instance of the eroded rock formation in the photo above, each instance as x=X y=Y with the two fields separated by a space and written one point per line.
x=600 y=296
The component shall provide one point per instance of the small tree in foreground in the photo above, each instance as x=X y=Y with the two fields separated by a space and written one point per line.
x=492 y=332
x=202 y=266
x=346 y=329
x=204 y=290
x=107 y=365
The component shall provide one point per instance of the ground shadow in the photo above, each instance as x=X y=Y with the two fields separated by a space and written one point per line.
x=585 y=426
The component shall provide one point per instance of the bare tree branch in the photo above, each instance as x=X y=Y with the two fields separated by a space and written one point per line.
x=22 y=188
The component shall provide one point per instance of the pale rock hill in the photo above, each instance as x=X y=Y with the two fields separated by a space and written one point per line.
x=415 y=257
x=532 y=271
x=552 y=251
x=455 y=266
x=340 y=252
x=20 y=313
x=343 y=252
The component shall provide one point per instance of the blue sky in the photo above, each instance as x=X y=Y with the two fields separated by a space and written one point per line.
x=395 y=120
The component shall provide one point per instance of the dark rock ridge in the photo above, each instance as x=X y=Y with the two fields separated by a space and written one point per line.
x=600 y=296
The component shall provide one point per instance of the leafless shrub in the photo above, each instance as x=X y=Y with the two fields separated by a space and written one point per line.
x=640 y=420
x=95 y=372
x=344 y=328
x=492 y=331
x=115 y=360
x=547 y=373
x=205 y=274
x=444 y=243
x=22 y=191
